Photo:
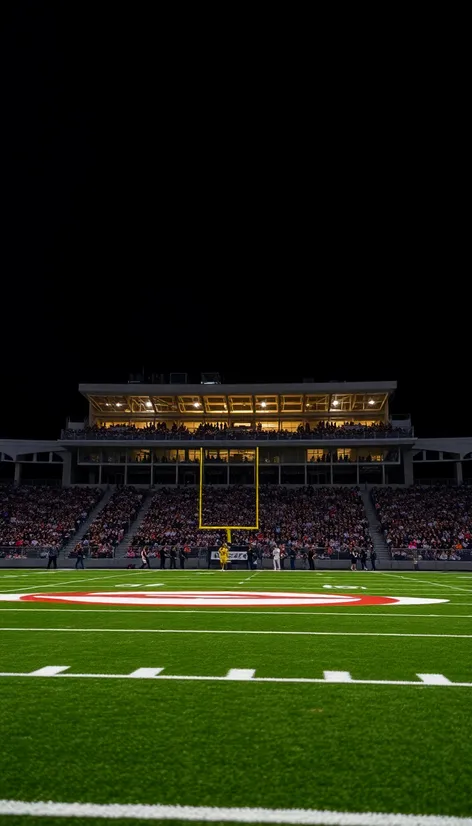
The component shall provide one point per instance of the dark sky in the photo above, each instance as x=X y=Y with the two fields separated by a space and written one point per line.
x=170 y=204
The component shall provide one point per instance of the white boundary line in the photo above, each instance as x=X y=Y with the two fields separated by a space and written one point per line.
x=57 y=672
x=435 y=584
x=213 y=814
x=213 y=631
x=203 y=611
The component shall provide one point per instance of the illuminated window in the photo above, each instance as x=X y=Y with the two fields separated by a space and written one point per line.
x=315 y=455
x=216 y=456
x=242 y=455
x=291 y=426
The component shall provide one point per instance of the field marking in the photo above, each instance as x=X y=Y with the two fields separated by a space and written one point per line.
x=203 y=611
x=243 y=632
x=213 y=814
x=435 y=584
x=57 y=672
x=60 y=583
x=251 y=576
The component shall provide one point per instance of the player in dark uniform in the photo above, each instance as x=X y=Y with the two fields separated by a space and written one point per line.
x=353 y=560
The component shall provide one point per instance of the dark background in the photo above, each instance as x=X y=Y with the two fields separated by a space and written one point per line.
x=186 y=202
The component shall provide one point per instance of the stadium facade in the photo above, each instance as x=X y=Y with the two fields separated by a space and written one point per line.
x=307 y=434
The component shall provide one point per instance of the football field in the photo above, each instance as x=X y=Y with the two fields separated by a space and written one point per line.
x=338 y=693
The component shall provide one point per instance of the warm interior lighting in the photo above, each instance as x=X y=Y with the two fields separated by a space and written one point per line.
x=148 y=404
x=196 y=404
x=371 y=401
x=263 y=404
x=118 y=404
x=335 y=403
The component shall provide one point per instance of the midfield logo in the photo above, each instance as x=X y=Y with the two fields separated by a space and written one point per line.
x=221 y=599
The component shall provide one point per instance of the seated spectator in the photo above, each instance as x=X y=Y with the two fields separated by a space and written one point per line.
x=436 y=520
x=109 y=527
x=43 y=517
x=331 y=520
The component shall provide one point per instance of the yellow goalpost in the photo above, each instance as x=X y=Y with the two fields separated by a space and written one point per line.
x=228 y=528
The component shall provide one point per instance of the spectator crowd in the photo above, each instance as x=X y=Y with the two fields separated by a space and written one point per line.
x=42 y=517
x=432 y=522
x=327 y=520
x=160 y=431
x=109 y=527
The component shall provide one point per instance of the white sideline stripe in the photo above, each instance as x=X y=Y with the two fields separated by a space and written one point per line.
x=337 y=676
x=243 y=632
x=213 y=814
x=302 y=613
x=50 y=670
x=146 y=673
x=60 y=583
x=434 y=679
x=411 y=578
x=242 y=674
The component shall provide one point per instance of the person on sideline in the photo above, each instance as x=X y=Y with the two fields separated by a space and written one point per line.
x=52 y=557
x=79 y=562
x=224 y=556
x=145 y=558
x=276 y=558
x=353 y=560
x=373 y=557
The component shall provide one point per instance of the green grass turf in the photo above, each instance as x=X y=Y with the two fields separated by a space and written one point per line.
x=347 y=747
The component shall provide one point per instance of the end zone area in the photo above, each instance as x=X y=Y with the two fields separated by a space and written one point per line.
x=330 y=704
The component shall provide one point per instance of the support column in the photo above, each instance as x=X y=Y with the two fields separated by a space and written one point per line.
x=67 y=470
x=126 y=472
x=280 y=474
x=459 y=478
x=408 y=467
x=331 y=482
x=383 y=474
x=227 y=474
x=176 y=473
x=357 y=479
x=17 y=479
x=306 y=474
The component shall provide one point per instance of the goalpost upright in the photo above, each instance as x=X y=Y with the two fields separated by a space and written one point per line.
x=228 y=528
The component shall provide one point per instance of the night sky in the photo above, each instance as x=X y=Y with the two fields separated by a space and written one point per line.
x=170 y=209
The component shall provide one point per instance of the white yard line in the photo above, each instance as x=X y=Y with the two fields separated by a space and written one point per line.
x=213 y=814
x=225 y=631
x=251 y=576
x=434 y=584
x=202 y=611
x=57 y=672
x=78 y=579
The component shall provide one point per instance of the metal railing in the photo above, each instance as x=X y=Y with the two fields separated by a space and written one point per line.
x=237 y=435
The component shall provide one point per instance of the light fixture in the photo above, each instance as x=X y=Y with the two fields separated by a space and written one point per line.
x=107 y=404
x=263 y=404
x=118 y=404
x=371 y=401
x=148 y=404
x=335 y=403
x=196 y=404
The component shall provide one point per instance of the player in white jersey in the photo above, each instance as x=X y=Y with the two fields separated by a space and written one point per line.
x=276 y=557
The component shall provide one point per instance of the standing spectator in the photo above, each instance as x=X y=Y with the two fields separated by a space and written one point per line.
x=79 y=562
x=182 y=552
x=363 y=558
x=353 y=560
x=162 y=556
x=311 y=563
x=173 y=556
x=276 y=557
x=145 y=558
x=373 y=557
x=293 y=555
x=223 y=556
x=52 y=557
x=250 y=555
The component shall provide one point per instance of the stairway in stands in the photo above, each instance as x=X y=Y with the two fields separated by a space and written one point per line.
x=383 y=555
x=86 y=525
x=122 y=548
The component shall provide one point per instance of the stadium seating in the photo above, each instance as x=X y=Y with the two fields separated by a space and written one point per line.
x=42 y=517
x=433 y=522
x=159 y=431
x=330 y=520
x=109 y=526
